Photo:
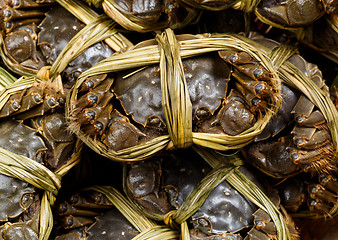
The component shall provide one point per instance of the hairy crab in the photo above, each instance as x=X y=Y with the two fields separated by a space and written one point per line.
x=304 y=195
x=155 y=186
x=298 y=138
x=54 y=28
x=21 y=209
x=227 y=94
x=19 y=33
x=141 y=16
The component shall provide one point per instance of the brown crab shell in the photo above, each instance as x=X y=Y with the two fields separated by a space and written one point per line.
x=289 y=14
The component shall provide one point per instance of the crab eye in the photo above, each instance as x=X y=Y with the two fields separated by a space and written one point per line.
x=37 y=98
x=52 y=102
x=92 y=98
x=90 y=115
x=258 y=73
x=233 y=58
x=98 y=126
x=7 y=13
x=15 y=105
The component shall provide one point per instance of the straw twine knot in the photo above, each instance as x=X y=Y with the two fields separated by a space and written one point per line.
x=43 y=73
x=169 y=221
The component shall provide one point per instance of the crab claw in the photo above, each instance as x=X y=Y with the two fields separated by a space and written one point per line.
x=263 y=222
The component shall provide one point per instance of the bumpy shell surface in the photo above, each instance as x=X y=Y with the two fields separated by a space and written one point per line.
x=111 y=225
x=207 y=78
x=16 y=196
x=57 y=29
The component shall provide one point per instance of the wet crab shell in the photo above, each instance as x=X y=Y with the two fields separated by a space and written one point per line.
x=156 y=186
x=17 y=196
x=140 y=16
x=19 y=33
x=21 y=230
x=56 y=30
x=297 y=138
x=137 y=117
x=111 y=225
x=289 y=14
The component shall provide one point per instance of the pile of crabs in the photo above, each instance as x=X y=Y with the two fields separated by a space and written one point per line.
x=184 y=119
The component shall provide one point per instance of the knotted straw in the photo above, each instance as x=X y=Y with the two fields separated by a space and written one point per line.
x=175 y=100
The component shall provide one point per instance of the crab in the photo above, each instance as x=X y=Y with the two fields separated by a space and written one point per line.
x=157 y=189
x=290 y=14
x=88 y=215
x=140 y=16
x=56 y=30
x=124 y=109
x=298 y=138
x=304 y=195
x=19 y=32
x=36 y=41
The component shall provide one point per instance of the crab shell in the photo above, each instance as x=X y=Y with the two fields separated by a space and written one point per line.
x=138 y=117
x=156 y=186
x=302 y=193
x=289 y=14
x=140 y=16
x=111 y=224
x=56 y=30
x=17 y=196
x=108 y=225
x=308 y=146
x=20 y=230
x=140 y=95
